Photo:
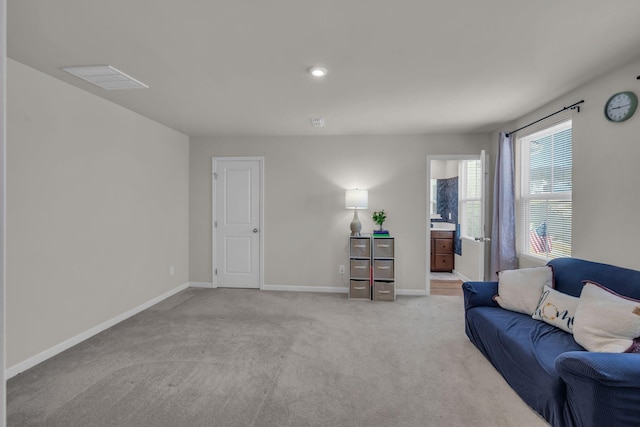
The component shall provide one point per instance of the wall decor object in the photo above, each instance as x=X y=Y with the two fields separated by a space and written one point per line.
x=620 y=106
x=379 y=217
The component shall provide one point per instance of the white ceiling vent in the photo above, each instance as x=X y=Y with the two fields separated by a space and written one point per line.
x=317 y=122
x=106 y=76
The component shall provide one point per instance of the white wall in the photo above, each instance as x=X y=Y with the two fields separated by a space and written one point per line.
x=3 y=193
x=443 y=169
x=306 y=225
x=468 y=265
x=606 y=174
x=97 y=211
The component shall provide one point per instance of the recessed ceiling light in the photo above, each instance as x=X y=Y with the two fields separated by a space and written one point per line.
x=106 y=76
x=318 y=71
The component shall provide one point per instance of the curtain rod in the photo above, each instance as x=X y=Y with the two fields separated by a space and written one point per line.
x=570 y=107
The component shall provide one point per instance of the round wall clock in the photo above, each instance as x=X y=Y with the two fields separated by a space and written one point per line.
x=621 y=106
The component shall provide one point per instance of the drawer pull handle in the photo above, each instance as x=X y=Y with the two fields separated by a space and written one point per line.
x=383 y=246
x=383 y=267
x=360 y=266
x=358 y=288
x=359 y=246
x=384 y=292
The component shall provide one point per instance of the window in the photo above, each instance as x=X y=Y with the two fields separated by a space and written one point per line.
x=433 y=203
x=470 y=203
x=544 y=205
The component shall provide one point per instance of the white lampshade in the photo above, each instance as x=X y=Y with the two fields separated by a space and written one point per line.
x=356 y=199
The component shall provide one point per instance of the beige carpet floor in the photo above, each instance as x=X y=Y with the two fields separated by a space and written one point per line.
x=222 y=357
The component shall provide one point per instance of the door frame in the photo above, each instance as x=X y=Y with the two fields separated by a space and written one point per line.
x=486 y=226
x=214 y=277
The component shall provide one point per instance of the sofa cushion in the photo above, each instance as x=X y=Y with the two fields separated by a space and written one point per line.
x=520 y=290
x=557 y=309
x=569 y=273
x=524 y=350
x=607 y=322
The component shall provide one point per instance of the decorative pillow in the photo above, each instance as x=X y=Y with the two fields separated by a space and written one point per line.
x=607 y=322
x=520 y=290
x=557 y=309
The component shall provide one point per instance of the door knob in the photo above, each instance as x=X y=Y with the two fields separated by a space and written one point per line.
x=255 y=230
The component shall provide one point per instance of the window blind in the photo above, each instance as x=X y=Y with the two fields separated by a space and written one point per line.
x=545 y=203
x=470 y=198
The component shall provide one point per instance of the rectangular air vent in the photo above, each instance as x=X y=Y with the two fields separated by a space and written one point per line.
x=317 y=122
x=106 y=76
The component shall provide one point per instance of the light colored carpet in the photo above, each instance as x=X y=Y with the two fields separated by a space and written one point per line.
x=223 y=357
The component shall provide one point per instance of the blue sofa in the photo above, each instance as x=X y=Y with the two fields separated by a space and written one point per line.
x=563 y=382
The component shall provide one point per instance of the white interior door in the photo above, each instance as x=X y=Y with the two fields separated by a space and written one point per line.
x=471 y=264
x=479 y=246
x=237 y=222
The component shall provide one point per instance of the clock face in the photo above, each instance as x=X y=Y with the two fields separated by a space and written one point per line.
x=621 y=106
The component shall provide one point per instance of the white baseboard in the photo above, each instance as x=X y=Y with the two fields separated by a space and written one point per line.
x=59 y=348
x=462 y=276
x=207 y=285
x=338 y=290
x=291 y=288
x=295 y=288
x=411 y=292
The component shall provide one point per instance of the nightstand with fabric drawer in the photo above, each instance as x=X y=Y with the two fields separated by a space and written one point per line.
x=360 y=267
x=383 y=247
x=360 y=247
x=383 y=271
x=372 y=268
x=359 y=289
x=384 y=291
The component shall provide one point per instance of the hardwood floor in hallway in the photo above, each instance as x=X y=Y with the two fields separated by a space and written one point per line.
x=446 y=287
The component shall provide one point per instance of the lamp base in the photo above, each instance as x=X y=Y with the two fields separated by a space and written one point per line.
x=356 y=226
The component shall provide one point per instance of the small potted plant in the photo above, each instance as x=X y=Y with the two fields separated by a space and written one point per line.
x=379 y=217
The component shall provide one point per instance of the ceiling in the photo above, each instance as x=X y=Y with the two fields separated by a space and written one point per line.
x=219 y=67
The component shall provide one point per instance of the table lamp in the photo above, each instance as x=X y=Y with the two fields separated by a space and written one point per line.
x=356 y=199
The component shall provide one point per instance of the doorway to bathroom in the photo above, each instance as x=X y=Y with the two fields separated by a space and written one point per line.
x=456 y=221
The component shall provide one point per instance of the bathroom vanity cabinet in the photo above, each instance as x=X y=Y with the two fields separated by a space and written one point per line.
x=442 y=259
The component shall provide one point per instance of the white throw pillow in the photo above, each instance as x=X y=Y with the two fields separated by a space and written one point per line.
x=605 y=321
x=557 y=309
x=520 y=290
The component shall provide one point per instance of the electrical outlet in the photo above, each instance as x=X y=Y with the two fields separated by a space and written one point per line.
x=341 y=269
x=172 y=270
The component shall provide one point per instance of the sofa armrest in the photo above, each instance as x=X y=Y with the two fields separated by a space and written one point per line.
x=607 y=369
x=478 y=294
x=602 y=388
